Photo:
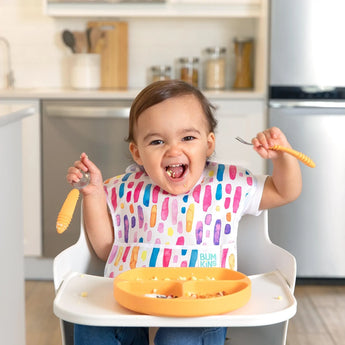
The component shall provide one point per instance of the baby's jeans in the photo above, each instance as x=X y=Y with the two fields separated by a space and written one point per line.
x=190 y=336
x=94 y=335
x=91 y=335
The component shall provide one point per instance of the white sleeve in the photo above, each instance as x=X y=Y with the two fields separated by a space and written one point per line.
x=253 y=202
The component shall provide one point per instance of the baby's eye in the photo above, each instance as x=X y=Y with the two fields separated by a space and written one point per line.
x=188 y=138
x=156 y=142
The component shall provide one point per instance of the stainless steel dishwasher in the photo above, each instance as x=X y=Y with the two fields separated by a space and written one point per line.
x=69 y=128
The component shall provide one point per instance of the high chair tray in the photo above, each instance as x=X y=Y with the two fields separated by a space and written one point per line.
x=182 y=291
x=89 y=300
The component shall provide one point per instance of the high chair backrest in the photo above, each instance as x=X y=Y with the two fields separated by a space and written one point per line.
x=257 y=254
x=80 y=257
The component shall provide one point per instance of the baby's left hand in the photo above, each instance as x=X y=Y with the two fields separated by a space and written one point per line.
x=268 y=138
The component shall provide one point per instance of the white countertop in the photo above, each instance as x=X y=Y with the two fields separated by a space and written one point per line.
x=65 y=93
x=14 y=112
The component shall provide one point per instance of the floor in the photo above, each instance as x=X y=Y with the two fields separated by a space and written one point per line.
x=320 y=318
x=42 y=326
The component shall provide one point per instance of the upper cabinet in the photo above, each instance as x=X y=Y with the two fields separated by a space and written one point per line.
x=155 y=8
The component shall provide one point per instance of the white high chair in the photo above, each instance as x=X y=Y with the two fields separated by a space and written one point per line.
x=263 y=320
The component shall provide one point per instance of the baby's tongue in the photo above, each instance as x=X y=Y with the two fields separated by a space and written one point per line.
x=175 y=171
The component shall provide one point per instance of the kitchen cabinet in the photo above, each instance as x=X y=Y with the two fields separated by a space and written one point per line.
x=12 y=315
x=244 y=119
x=31 y=140
x=31 y=176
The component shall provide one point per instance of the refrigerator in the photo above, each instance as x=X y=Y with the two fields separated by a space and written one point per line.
x=307 y=101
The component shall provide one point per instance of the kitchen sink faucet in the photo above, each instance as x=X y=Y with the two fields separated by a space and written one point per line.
x=9 y=74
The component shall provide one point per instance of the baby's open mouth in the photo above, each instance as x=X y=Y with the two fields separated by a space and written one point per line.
x=176 y=170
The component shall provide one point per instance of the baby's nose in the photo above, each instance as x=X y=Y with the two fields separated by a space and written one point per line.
x=174 y=149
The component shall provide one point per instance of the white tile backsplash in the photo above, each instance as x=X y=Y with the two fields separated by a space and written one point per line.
x=39 y=57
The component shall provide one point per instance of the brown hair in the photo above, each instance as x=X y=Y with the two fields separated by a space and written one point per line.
x=158 y=92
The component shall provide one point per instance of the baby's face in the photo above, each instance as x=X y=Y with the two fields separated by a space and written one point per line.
x=173 y=143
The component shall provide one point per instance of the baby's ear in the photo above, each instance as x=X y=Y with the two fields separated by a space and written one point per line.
x=133 y=148
x=211 y=143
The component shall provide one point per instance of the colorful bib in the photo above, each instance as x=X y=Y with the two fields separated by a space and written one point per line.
x=155 y=229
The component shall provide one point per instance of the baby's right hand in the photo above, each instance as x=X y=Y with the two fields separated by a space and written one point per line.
x=84 y=164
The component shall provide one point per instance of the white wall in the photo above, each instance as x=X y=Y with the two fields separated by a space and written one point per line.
x=39 y=57
x=36 y=47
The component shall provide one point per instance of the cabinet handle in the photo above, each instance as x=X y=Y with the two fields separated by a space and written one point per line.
x=87 y=112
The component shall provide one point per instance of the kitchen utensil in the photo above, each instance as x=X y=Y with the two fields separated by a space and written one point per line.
x=67 y=210
x=80 y=42
x=88 y=37
x=83 y=182
x=299 y=155
x=182 y=291
x=68 y=39
x=96 y=39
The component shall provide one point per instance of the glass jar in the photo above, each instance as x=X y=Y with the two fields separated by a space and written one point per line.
x=189 y=70
x=243 y=52
x=160 y=72
x=215 y=68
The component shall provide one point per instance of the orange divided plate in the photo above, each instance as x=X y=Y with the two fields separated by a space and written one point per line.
x=186 y=291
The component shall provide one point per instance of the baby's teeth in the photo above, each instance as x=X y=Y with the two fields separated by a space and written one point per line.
x=170 y=170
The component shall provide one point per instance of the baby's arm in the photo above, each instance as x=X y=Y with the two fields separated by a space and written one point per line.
x=285 y=184
x=97 y=220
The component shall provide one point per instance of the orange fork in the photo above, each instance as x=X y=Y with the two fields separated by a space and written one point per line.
x=299 y=155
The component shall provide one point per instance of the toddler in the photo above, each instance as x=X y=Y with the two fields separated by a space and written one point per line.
x=175 y=207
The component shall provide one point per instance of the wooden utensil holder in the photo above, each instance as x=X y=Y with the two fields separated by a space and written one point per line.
x=112 y=45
